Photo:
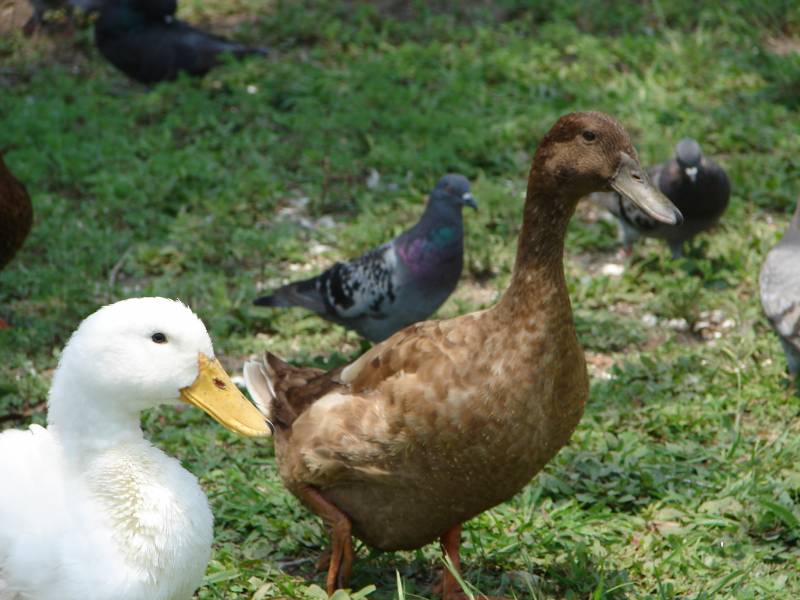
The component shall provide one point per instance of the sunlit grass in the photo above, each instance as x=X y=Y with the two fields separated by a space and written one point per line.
x=682 y=479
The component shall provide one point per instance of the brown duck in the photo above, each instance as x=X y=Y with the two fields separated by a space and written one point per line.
x=16 y=216
x=446 y=419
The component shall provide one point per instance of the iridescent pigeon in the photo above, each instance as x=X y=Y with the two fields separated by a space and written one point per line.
x=696 y=184
x=143 y=39
x=779 y=284
x=398 y=283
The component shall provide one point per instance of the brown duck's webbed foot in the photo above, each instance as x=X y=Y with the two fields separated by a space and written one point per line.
x=341 y=550
x=450 y=589
x=4 y=324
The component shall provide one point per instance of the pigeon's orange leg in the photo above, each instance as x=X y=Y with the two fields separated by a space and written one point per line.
x=341 y=551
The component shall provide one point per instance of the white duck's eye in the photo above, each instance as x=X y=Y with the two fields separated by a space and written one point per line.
x=159 y=338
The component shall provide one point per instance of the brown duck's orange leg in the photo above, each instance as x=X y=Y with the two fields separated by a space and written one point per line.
x=341 y=551
x=451 y=590
x=4 y=324
x=451 y=542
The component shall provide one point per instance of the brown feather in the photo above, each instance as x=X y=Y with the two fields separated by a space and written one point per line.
x=16 y=214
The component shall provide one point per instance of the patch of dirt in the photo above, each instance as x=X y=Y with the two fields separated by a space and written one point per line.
x=599 y=365
x=13 y=15
x=782 y=45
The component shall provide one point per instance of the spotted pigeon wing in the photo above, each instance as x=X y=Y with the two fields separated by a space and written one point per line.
x=363 y=287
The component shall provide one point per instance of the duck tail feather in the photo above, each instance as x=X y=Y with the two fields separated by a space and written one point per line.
x=270 y=382
x=259 y=383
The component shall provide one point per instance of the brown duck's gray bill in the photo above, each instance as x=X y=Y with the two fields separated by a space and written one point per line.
x=632 y=182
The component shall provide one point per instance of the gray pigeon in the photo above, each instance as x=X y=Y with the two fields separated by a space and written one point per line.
x=696 y=184
x=779 y=284
x=398 y=283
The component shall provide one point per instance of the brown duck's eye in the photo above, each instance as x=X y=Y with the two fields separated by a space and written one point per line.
x=589 y=136
x=159 y=338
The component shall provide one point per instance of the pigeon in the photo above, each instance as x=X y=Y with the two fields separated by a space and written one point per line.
x=143 y=39
x=697 y=185
x=779 y=284
x=398 y=283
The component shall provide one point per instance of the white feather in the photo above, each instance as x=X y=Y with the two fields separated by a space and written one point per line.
x=89 y=509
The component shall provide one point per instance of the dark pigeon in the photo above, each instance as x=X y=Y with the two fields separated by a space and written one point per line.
x=696 y=185
x=396 y=284
x=779 y=284
x=143 y=39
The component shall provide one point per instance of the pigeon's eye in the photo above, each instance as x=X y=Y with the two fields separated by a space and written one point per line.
x=159 y=338
x=589 y=136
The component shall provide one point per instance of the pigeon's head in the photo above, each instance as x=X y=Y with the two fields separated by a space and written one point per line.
x=157 y=10
x=688 y=155
x=453 y=189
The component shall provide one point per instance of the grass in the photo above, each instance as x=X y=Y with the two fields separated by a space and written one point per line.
x=682 y=480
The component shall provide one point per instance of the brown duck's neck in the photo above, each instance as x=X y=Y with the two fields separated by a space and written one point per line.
x=537 y=283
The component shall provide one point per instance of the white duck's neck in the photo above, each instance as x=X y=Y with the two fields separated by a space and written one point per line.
x=87 y=424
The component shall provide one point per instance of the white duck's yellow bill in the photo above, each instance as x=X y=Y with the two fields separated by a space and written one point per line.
x=214 y=393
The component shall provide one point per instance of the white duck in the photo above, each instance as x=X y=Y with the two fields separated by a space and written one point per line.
x=89 y=509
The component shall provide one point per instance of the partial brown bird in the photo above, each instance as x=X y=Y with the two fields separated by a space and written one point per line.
x=16 y=217
x=446 y=419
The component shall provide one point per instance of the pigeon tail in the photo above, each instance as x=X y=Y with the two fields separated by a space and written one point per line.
x=244 y=51
x=300 y=293
x=275 y=300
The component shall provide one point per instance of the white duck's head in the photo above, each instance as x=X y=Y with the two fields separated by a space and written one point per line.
x=137 y=354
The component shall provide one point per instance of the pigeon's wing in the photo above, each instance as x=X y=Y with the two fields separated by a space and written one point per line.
x=147 y=55
x=779 y=285
x=197 y=51
x=363 y=287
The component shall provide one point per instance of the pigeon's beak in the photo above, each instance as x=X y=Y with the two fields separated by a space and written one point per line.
x=631 y=181
x=469 y=200
x=691 y=173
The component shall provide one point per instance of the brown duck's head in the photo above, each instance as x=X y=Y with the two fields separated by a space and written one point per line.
x=587 y=152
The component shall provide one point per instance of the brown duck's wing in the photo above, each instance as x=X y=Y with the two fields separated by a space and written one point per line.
x=410 y=394
x=410 y=375
x=430 y=351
